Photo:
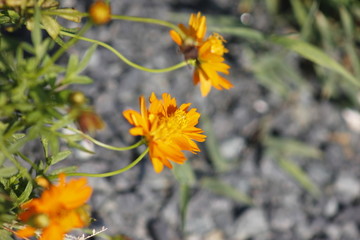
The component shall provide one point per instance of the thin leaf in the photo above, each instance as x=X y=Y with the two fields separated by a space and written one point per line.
x=26 y=193
x=87 y=56
x=34 y=27
x=51 y=26
x=225 y=189
x=300 y=11
x=243 y=32
x=184 y=200
x=299 y=175
x=78 y=80
x=315 y=55
x=72 y=65
x=290 y=147
x=45 y=144
x=184 y=174
x=69 y=14
x=7 y=172
x=59 y=157
x=212 y=146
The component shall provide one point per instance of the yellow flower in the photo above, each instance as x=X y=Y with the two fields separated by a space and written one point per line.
x=167 y=129
x=192 y=35
x=100 y=12
x=58 y=210
x=208 y=63
x=207 y=55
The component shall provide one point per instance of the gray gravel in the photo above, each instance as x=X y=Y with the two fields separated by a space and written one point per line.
x=145 y=206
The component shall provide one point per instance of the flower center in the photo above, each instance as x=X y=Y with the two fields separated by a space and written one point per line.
x=217 y=46
x=170 y=126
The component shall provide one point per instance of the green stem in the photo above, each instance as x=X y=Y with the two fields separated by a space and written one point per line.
x=110 y=147
x=108 y=174
x=147 y=20
x=123 y=58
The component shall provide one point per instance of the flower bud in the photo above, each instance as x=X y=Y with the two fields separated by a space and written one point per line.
x=100 y=12
x=39 y=221
x=77 y=98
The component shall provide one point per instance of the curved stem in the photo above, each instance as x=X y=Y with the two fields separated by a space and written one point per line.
x=123 y=58
x=108 y=174
x=110 y=147
x=146 y=20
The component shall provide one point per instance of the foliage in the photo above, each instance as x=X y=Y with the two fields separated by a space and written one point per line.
x=37 y=104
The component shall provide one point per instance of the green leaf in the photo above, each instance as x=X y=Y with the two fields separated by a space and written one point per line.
x=59 y=157
x=212 y=146
x=51 y=26
x=347 y=23
x=299 y=175
x=78 y=80
x=69 y=14
x=184 y=200
x=7 y=172
x=35 y=28
x=225 y=190
x=72 y=65
x=26 y=193
x=315 y=55
x=87 y=56
x=184 y=174
x=290 y=147
x=243 y=32
x=300 y=11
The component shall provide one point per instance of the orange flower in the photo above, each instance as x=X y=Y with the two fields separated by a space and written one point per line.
x=207 y=54
x=209 y=62
x=100 y=12
x=192 y=35
x=168 y=129
x=59 y=210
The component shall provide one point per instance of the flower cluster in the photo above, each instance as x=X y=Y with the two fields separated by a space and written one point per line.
x=167 y=129
x=45 y=107
x=207 y=54
x=59 y=209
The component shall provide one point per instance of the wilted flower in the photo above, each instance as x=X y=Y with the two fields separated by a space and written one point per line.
x=59 y=209
x=89 y=121
x=167 y=129
x=207 y=54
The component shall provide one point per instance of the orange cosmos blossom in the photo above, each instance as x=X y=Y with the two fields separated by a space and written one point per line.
x=208 y=54
x=167 y=129
x=209 y=62
x=192 y=35
x=60 y=209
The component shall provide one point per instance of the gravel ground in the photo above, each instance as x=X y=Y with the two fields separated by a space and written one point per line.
x=144 y=205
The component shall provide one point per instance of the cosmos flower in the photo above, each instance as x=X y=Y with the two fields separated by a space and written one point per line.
x=192 y=35
x=59 y=209
x=209 y=62
x=206 y=55
x=167 y=129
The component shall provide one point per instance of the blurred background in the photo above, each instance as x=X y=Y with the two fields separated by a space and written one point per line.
x=281 y=160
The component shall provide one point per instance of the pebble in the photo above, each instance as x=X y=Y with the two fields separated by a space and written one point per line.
x=251 y=224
